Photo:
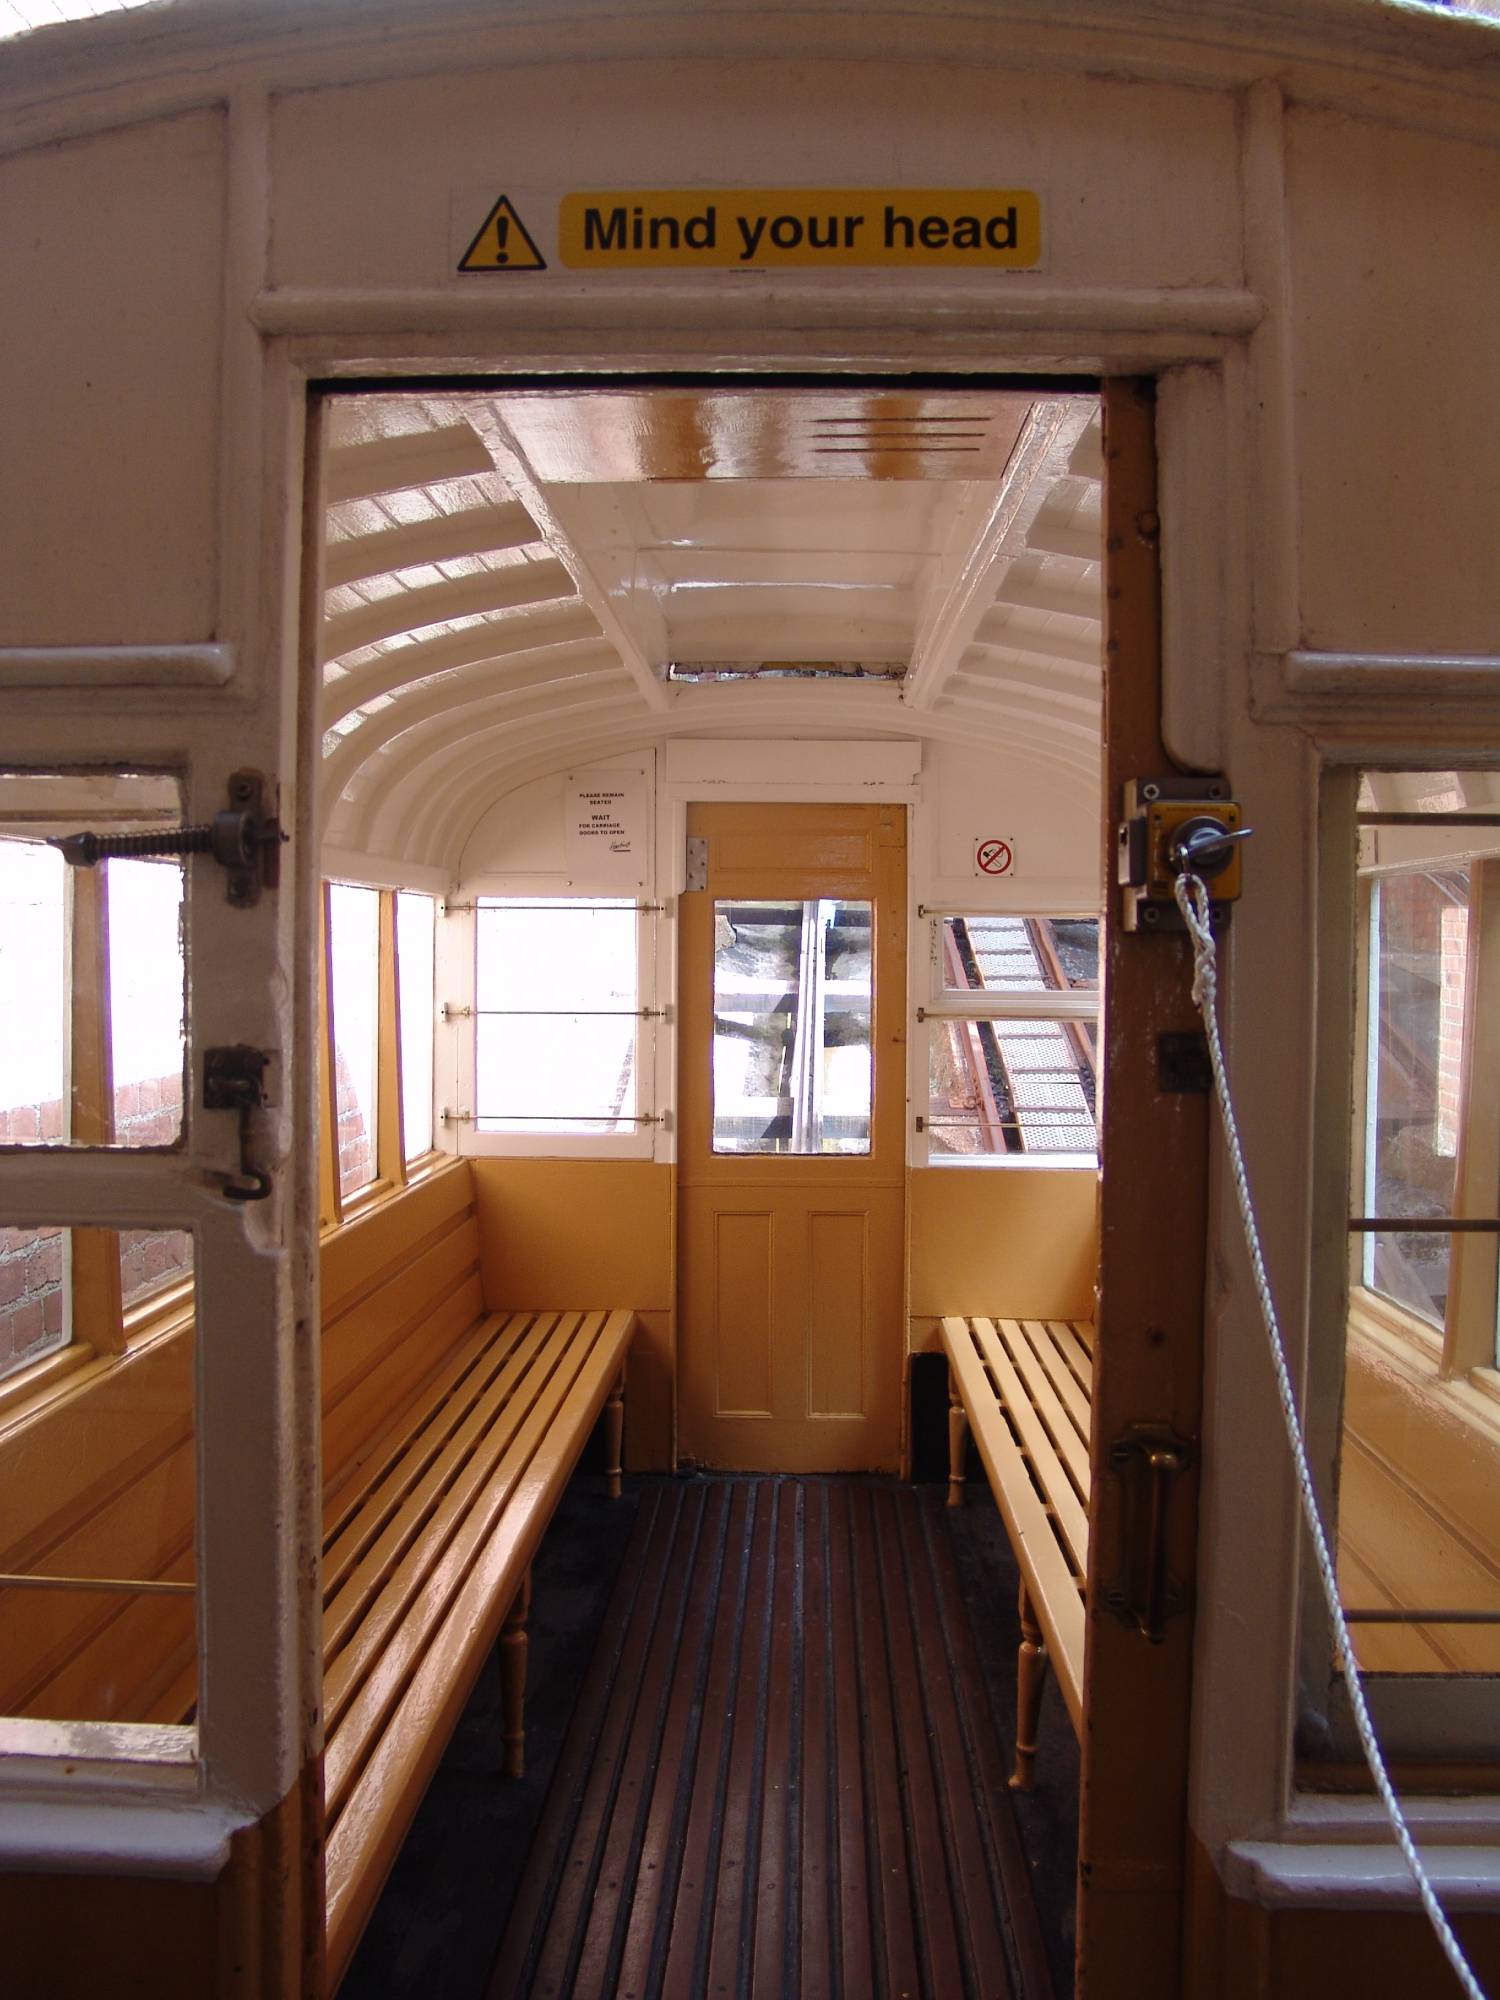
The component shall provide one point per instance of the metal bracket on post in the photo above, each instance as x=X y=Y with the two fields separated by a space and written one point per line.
x=243 y=839
x=1148 y=1459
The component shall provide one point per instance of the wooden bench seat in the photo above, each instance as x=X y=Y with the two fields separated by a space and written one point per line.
x=449 y=1434
x=434 y=1506
x=1023 y=1387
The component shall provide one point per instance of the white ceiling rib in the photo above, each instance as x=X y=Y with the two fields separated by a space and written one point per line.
x=486 y=624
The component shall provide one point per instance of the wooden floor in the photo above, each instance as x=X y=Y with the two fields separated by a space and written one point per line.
x=782 y=1777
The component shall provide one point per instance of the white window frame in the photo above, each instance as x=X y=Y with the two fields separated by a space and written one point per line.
x=943 y=1004
x=457 y=1031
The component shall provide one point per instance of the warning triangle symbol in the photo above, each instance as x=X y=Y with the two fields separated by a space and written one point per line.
x=502 y=244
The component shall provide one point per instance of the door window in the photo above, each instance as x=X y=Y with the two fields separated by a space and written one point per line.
x=792 y=999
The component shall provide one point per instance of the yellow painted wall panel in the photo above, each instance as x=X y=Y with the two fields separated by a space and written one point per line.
x=984 y=1240
x=591 y=1233
x=575 y=1233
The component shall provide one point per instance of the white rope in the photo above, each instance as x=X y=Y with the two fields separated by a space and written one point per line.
x=1193 y=901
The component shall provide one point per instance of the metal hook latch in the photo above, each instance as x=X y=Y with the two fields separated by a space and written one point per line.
x=234 y=1079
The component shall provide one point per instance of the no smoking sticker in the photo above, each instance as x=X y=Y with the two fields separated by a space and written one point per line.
x=994 y=856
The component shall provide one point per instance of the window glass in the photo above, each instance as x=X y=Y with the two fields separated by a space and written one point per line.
x=151 y=1260
x=146 y=1000
x=1418 y=954
x=998 y=1087
x=1005 y=954
x=33 y=992
x=105 y=1522
x=354 y=961
x=34 y=1315
x=92 y=987
x=792 y=1070
x=1419 y=1464
x=416 y=931
x=556 y=1017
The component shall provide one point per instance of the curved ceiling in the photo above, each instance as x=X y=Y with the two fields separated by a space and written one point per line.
x=521 y=580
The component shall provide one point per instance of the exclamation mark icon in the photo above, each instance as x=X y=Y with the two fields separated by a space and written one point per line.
x=502 y=242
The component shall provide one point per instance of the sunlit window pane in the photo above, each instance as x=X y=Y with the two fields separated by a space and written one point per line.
x=1002 y=954
x=416 y=918
x=1418 y=955
x=792 y=1000
x=151 y=1260
x=998 y=1088
x=33 y=992
x=354 y=953
x=556 y=1041
x=146 y=1000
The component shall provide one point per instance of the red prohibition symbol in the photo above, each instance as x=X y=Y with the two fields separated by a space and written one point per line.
x=994 y=857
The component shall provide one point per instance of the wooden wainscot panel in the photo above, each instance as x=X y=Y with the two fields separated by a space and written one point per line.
x=1237 y=1950
x=1024 y=1244
x=252 y=1933
x=571 y=1233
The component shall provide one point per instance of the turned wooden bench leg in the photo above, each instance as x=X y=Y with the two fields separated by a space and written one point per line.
x=958 y=1438
x=513 y=1650
x=614 y=1435
x=1031 y=1668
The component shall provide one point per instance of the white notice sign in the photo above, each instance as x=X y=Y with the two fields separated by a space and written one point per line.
x=606 y=830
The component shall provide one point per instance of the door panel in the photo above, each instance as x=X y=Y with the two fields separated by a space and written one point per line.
x=792 y=1232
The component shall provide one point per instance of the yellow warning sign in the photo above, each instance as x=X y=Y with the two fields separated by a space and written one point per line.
x=502 y=244
x=753 y=229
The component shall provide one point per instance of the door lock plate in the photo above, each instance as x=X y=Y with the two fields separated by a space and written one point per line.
x=1168 y=820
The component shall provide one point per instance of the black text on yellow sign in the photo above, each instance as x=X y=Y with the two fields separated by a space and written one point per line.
x=752 y=229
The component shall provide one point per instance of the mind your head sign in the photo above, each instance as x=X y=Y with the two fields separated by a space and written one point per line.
x=747 y=229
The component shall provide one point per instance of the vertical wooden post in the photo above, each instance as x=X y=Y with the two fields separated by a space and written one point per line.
x=98 y=1309
x=514 y=1647
x=1031 y=1671
x=614 y=1434
x=390 y=1138
x=958 y=1439
x=1148 y=1353
x=330 y=1197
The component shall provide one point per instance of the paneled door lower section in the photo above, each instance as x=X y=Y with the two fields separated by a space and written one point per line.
x=791 y=1173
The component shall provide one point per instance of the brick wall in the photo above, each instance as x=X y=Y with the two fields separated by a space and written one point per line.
x=31 y=1295
x=356 y=1141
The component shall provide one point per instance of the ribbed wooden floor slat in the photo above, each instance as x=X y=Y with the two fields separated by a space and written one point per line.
x=782 y=1778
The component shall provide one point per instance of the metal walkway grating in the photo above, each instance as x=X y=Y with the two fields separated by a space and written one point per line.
x=782 y=1777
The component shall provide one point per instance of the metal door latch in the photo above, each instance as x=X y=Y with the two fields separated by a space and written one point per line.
x=1147 y=1458
x=234 y=1079
x=244 y=839
x=1172 y=824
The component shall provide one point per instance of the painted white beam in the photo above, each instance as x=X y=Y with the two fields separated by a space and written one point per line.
x=461 y=597
x=964 y=586
x=395 y=464
x=519 y=478
x=497 y=639
x=473 y=531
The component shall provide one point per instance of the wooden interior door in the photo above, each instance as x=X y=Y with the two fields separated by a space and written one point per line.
x=792 y=1198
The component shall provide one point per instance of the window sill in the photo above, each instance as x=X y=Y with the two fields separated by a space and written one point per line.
x=1413 y=1351
x=1360 y=1874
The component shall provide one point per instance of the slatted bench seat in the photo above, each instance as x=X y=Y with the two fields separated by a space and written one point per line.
x=449 y=1436
x=1024 y=1387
